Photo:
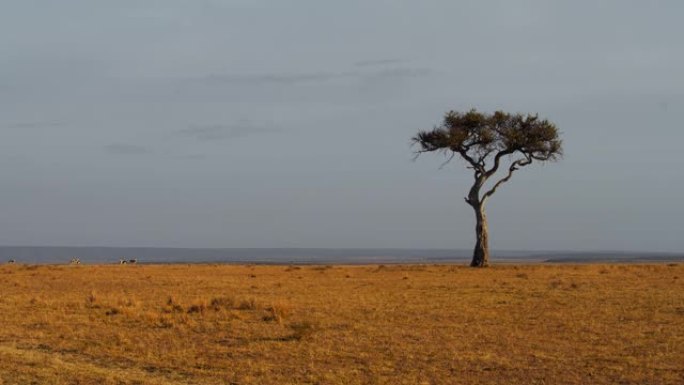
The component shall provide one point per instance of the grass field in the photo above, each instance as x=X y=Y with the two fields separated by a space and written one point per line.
x=415 y=324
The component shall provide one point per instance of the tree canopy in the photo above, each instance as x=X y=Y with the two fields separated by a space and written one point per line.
x=480 y=138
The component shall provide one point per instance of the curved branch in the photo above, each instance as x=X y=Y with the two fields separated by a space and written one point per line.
x=481 y=158
x=453 y=154
x=417 y=153
x=514 y=167
x=497 y=161
x=469 y=159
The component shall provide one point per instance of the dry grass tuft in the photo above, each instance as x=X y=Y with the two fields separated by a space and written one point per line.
x=113 y=311
x=91 y=300
x=172 y=306
x=301 y=330
x=197 y=308
x=219 y=303
x=277 y=312
x=248 y=304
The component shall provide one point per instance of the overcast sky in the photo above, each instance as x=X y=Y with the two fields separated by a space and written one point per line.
x=247 y=123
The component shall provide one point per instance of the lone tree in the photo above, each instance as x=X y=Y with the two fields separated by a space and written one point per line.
x=484 y=141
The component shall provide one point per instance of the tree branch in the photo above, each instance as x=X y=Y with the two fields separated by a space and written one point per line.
x=468 y=158
x=453 y=154
x=514 y=166
x=497 y=161
x=478 y=166
x=483 y=156
x=418 y=152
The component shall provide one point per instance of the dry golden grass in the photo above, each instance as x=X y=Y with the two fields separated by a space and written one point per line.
x=417 y=324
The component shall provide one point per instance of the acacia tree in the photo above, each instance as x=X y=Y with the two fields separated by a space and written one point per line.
x=485 y=141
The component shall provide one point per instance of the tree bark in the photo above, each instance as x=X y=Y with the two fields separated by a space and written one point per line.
x=481 y=252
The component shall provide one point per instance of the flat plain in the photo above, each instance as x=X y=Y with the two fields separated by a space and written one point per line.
x=370 y=324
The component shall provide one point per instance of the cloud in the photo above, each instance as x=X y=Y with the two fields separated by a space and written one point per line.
x=399 y=73
x=379 y=62
x=212 y=132
x=34 y=124
x=191 y=157
x=126 y=149
x=314 y=77
x=274 y=78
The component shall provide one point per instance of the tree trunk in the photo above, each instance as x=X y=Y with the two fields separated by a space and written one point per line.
x=481 y=252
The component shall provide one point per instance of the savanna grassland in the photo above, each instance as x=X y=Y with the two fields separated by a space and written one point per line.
x=395 y=324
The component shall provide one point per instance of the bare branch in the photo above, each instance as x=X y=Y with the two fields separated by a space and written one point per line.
x=497 y=161
x=514 y=167
x=447 y=161
x=417 y=153
x=482 y=157
x=475 y=165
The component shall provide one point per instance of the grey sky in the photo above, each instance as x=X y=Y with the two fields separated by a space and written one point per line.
x=273 y=124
